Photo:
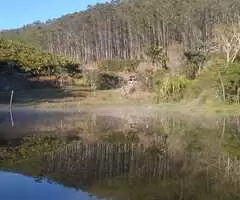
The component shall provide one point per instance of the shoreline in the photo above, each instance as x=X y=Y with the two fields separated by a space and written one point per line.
x=196 y=109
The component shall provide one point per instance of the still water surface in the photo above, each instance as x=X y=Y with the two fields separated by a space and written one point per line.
x=16 y=186
x=137 y=155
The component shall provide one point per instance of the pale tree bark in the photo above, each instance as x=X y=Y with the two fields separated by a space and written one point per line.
x=227 y=38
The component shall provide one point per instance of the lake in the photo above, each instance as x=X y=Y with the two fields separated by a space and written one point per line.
x=29 y=188
x=115 y=153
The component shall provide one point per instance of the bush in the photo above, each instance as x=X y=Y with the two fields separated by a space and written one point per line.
x=106 y=81
x=195 y=61
x=170 y=88
x=36 y=61
x=196 y=58
x=237 y=59
x=145 y=79
x=118 y=65
x=231 y=82
x=190 y=71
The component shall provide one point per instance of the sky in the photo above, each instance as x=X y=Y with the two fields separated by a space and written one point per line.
x=16 y=13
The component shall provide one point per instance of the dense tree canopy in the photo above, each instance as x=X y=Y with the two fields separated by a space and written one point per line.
x=34 y=60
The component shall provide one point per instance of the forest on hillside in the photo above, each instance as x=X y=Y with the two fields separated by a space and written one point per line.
x=123 y=29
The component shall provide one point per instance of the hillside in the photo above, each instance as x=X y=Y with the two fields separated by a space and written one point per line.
x=21 y=66
x=124 y=29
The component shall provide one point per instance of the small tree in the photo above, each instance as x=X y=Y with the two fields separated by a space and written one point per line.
x=107 y=81
x=158 y=56
x=195 y=61
x=227 y=40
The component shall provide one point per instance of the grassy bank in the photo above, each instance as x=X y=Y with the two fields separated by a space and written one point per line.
x=214 y=91
x=82 y=98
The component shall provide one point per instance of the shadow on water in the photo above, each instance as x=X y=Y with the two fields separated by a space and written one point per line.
x=157 y=157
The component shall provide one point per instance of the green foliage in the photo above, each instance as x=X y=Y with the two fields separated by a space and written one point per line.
x=231 y=82
x=195 y=61
x=207 y=81
x=31 y=147
x=196 y=58
x=33 y=60
x=170 y=88
x=106 y=81
x=190 y=71
x=119 y=137
x=231 y=143
x=217 y=82
x=157 y=56
x=237 y=60
x=193 y=90
x=118 y=65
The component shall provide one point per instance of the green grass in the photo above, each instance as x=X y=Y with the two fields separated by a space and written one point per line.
x=84 y=98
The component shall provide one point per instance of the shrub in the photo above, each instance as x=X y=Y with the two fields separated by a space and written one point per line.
x=106 y=81
x=170 y=88
x=196 y=58
x=190 y=71
x=217 y=81
x=36 y=61
x=145 y=78
x=118 y=65
x=237 y=59
x=230 y=79
x=195 y=61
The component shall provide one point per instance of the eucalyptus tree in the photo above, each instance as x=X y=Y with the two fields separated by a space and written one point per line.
x=126 y=28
